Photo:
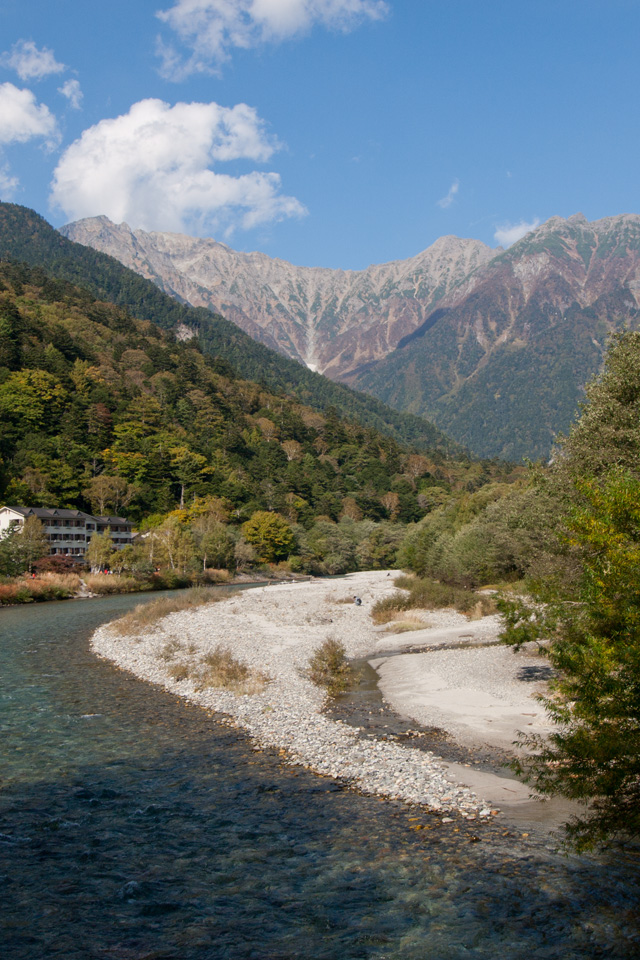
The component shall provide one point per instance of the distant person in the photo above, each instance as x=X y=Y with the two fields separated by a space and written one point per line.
x=357 y=601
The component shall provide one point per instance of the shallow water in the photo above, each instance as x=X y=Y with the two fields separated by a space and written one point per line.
x=135 y=826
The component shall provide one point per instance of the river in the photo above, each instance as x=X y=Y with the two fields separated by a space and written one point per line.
x=134 y=826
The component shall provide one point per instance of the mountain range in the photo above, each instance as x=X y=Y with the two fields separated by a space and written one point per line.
x=331 y=320
x=25 y=236
x=494 y=346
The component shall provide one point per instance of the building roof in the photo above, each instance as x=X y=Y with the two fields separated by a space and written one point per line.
x=50 y=513
x=58 y=513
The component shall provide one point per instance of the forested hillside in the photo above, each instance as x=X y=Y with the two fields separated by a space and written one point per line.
x=27 y=237
x=91 y=396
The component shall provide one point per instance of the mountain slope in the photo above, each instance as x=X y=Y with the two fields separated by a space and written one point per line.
x=331 y=320
x=96 y=404
x=26 y=236
x=502 y=365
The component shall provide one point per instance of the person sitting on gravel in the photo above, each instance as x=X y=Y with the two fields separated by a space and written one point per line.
x=357 y=601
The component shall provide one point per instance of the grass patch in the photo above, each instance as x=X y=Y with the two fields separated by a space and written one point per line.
x=47 y=586
x=408 y=623
x=332 y=599
x=221 y=669
x=329 y=667
x=170 y=650
x=179 y=671
x=430 y=595
x=216 y=575
x=218 y=669
x=387 y=614
x=146 y=615
x=105 y=584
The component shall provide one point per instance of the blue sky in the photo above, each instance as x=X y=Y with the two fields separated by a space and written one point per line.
x=332 y=133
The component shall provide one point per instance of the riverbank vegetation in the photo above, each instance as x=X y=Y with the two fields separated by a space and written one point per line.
x=146 y=615
x=566 y=540
x=417 y=593
x=329 y=667
x=47 y=586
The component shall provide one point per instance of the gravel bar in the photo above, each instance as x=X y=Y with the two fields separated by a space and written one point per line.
x=276 y=630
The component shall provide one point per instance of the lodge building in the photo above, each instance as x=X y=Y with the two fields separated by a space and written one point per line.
x=68 y=531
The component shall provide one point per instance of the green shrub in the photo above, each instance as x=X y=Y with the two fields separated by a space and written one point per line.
x=330 y=668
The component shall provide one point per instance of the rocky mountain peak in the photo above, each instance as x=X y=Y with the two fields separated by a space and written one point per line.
x=332 y=320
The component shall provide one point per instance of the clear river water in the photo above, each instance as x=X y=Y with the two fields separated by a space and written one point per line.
x=134 y=826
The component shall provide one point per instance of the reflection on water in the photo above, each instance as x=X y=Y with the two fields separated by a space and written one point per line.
x=134 y=826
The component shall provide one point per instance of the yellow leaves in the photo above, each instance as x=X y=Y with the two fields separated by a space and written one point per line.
x=131 y=465
x=32 y=396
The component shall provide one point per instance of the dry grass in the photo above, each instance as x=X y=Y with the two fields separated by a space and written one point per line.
x=146 y=615
x=408 y=623
x=221 y=669
x=171 y=649
x=179 y=671
x=47 y=586
x=430 y=595
x=218 y=669
x=332 y=599
x=217 y=575
x=66 y=581
x=386 y=615
x=107 y=583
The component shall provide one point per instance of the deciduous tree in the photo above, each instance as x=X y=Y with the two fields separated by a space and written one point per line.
x=270 y=534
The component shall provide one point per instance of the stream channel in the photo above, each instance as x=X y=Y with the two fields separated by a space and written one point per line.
x=135 y=826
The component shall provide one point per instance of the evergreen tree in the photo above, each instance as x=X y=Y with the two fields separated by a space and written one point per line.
x=586 y=613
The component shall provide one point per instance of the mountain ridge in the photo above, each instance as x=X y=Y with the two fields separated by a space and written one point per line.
x=316 y=315
x=503 y=367
x=494 y=346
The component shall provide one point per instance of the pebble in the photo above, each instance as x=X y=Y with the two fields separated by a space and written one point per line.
x=276 y=632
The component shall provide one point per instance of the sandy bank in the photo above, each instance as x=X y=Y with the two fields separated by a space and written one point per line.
x=276 y=630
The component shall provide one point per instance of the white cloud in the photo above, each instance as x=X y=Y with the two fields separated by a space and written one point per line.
x=22 y=118
x=152 y=168
x=210 y=28
x=8 y=184
x=509 y=233
x=29 y=62
x=71 y=90
x=445 y=202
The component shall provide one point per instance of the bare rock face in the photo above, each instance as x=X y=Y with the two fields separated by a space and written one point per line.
x=332 y=320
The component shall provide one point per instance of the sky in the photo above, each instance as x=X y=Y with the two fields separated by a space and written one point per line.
x=334 y=133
